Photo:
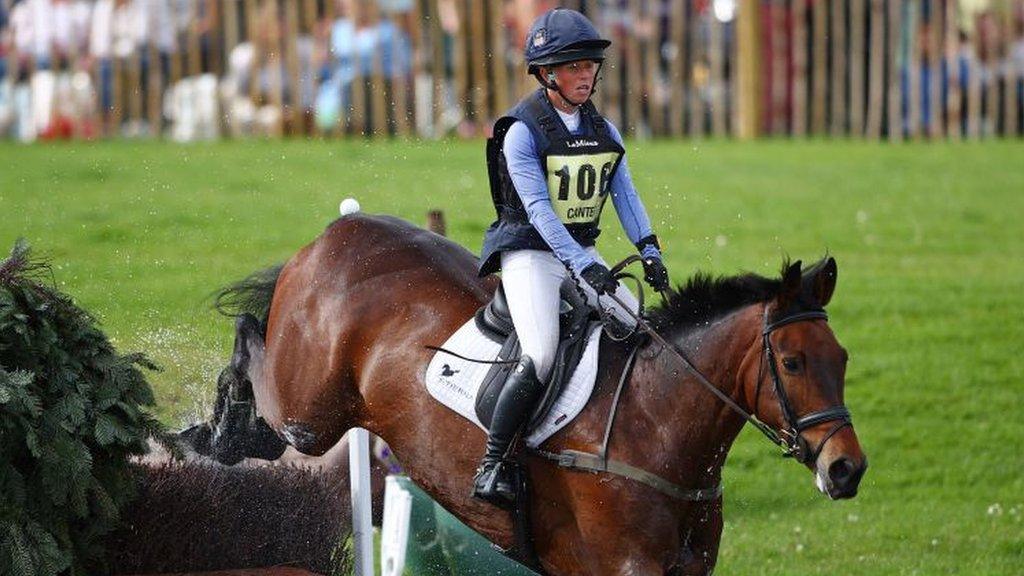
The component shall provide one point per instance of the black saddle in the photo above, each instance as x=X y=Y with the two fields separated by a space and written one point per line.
x=494 y=320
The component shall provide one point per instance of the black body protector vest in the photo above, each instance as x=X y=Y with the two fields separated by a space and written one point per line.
x=579 y=172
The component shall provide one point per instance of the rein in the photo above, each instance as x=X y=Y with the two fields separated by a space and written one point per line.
x=793 y=444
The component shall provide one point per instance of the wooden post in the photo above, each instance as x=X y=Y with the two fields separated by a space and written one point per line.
x=652 y=70
x=974 y=69
x=857 y=32
x=838 y=120
x=819 y=94
x=399 y=79
x=499 y=63
x=613 y=104
x=195 y=55
x=749 y=67
x=155 y=89
x=716 y=59
x=257 y=60
x=778 y=123
x=524 y=82
x=435 y=222
x=478 y=52
x=275 y=64
x=311 y=24
x=987 y=125
x=895 y=119
x=953 y=98
x=414 y=21
x=116 y=113
x=342 y=124
x=677 y=67
x=876 y=79
x=634 y=91
x=735 y=96
x=135 y=84
x=798 y=9
x=176 y=56
x=915 y=20
x=378 y=100
x=296 y=110
x=934 y=64
x=438 y=69
x=214 y=38
x=357 y=118
x=1010 y=95
x=230 y=27
x=459 y=63
x=698 y=78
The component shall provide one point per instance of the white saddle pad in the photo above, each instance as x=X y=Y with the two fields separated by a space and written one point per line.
x=455 y=382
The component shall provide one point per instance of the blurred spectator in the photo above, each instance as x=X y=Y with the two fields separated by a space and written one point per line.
x=258 y=77
x=41 y=14
x=6 y=96
x=5 y=39
x=21 y=42
x=101 y=52
x=357 y=39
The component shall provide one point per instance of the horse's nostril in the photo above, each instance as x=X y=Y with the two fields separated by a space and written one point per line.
x=840 y=472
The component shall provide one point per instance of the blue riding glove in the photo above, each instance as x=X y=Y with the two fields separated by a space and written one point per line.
x=600 y=278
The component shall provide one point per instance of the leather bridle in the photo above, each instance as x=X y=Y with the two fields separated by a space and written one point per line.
x=792 y=440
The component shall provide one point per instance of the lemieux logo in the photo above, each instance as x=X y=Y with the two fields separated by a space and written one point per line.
x=540 y=37
x=581 y=143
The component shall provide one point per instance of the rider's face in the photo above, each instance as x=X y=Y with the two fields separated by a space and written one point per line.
x=576 y=79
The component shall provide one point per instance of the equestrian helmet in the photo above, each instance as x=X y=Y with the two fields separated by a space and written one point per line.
x=562 y=35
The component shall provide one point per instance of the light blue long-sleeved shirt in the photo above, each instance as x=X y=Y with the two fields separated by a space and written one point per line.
x=530 y=183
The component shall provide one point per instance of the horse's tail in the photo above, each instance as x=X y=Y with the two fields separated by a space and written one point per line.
x=250 y=295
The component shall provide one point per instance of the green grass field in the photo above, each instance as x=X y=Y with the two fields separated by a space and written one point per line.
x=929 y=241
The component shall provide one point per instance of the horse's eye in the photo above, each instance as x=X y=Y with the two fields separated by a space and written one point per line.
x=791 y=364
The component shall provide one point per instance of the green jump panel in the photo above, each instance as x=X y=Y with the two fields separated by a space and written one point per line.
x=470 y=554
x=441 y=545
x=424 y=555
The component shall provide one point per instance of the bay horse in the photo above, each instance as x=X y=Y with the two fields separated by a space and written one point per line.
x=337 y=340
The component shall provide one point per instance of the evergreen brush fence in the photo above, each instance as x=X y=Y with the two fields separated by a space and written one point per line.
x=199 y=69
x=72 y=410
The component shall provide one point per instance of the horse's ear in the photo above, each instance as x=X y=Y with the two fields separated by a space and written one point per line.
x=791 y=283
x=823 y=281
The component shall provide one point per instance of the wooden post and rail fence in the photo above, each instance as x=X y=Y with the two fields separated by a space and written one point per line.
x=871 y=69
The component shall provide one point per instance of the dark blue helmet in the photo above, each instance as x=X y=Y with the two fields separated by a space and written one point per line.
x=562 y=35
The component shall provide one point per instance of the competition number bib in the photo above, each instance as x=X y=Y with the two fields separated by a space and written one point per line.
x=578 y=185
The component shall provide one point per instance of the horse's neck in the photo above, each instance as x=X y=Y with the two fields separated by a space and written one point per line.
x=695 y=428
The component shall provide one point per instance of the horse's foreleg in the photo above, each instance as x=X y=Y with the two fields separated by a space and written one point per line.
x=237 y=431
x=699 y=552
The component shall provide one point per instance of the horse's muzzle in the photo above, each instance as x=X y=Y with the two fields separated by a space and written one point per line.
x=840 y=478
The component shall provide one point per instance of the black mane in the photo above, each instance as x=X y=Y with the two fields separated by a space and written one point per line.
x=704 y=298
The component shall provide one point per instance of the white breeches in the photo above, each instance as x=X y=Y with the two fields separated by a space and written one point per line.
x=531 y=279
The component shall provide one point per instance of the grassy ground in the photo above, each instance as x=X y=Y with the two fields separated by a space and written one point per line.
x=928 y=239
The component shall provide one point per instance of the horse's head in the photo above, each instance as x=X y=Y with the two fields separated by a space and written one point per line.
x=798 y=389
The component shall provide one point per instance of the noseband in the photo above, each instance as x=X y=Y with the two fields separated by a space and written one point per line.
x=792 y=440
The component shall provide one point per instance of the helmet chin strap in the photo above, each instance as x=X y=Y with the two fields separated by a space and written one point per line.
x=565 y=99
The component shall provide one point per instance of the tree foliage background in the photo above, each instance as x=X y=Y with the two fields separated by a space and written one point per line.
x=72 y=410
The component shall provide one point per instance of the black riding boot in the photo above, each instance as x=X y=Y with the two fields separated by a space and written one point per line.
x=495 y=480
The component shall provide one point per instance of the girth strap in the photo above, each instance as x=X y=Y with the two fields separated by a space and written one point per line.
x=586 y=462
x=582 y=461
